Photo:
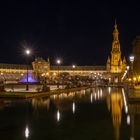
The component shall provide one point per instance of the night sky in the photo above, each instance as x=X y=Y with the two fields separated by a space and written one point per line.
x=79 y=32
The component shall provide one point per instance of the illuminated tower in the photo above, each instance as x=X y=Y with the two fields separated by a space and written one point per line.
x=115 y=63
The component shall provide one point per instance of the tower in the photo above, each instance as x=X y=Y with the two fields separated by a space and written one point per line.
x=116 y=64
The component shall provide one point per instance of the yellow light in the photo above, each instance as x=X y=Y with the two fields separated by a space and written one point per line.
x=134 y=79
x=54 y=74
x=129 y=79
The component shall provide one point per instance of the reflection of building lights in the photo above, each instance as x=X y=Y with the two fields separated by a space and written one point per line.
x=95 y=96
x=98 y=94
x=127 y=67
x=128 y=119
x=91 y=97
x=58 y=116
x=125 y=103
x=1 y=73
x=27 y=132
x=126 y=109
x=132 y=138
x=109 y=89
x=73 y=107
x=101 y=92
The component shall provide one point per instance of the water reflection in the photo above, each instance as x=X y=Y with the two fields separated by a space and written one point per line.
x=73 y=107
x=41 y=103
x=27 y=132
x=83 y=109
x=4 y=103
x=115 y=105
x=58 y=115
x=134 y=110
x=128 y=119
x=91 y=98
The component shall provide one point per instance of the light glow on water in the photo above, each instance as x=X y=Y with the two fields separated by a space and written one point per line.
x=109 y=90
x=27 y=132
x=95 y=96
x=73 y=107
x=58 y=116
x=128 y=119
x=91 y=98
x=125 y=102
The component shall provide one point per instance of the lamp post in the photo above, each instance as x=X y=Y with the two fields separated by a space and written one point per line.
x=58 y=61
x=27 y=52
x=131 y=58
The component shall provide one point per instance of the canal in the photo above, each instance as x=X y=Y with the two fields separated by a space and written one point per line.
x=92 y=114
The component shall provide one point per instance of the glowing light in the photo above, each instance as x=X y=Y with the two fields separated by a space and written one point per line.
x=134 y=78
x=131 y=58
x=58 y=116
x=129 y=79
x=126 y=109
x=91 y=98
x=30 y=79
x=27 y=132
x=101 y=92
x=95 y=96
x=132 y=138
x=109 y=89
x=58 y=61
x=73 y=107
x=27 y=51
x=127 y=67
x=54 y=74
x=73 y=66
x=128 y=119
x=125 y=103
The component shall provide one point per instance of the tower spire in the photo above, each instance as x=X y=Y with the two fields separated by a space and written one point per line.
x=115 y=32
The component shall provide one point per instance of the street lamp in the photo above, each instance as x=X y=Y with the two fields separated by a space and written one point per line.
x=131 y=58
x=27 y=52
x=58 y=61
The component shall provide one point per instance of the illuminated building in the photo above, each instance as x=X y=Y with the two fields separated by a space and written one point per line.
x=115 y=64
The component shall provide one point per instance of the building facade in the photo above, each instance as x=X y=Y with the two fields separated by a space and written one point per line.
x=136 y=53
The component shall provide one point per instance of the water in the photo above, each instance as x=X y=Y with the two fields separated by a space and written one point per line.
x=93 y=114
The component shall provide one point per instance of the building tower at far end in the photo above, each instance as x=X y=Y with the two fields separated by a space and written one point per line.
x=115 y=64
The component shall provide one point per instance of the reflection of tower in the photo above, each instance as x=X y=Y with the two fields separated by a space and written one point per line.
x=115 y=105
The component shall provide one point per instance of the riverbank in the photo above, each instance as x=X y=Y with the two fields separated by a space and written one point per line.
x=26 y=95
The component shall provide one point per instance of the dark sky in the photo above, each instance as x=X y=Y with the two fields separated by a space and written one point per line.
x=79 y=32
